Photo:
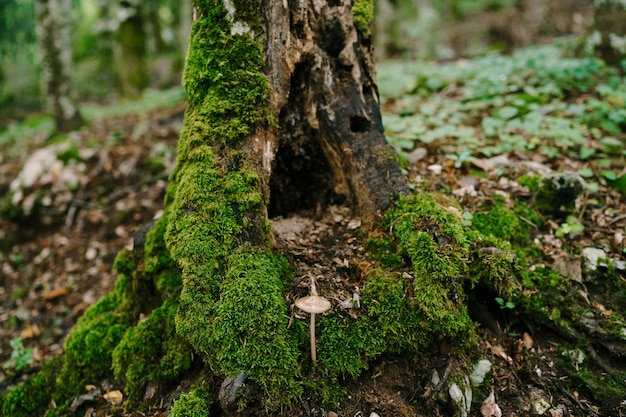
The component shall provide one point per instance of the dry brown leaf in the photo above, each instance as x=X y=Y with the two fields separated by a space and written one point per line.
x=500 y=351
x=30 y=330
x=490 y=408
x=114 y=397
x=527 y=341
x=52 y=294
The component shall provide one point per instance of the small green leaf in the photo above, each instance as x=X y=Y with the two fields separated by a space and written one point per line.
x=611 y=144
x=507 y=112
x=586 y=152
x=585 y=173
x=609 y=175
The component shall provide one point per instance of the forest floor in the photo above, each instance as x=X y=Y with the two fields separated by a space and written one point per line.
x=58 y=262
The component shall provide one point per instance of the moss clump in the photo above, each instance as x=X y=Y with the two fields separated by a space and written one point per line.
x=438 y=245
x=195 y=403
x=32 y=396
x=151 y=351
x=363 y=14
x=507 y=224
x=245 y=330
x=223 y=77
x=88 y=348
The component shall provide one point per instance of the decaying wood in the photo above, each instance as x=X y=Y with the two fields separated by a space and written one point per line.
x=329 y=146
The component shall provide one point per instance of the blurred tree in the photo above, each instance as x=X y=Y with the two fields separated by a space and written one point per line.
x=610 y=26
x=54 y=35
x=131 y=41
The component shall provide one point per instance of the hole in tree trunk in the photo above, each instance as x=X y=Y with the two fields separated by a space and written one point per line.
x=359 y=124
x=301 y=179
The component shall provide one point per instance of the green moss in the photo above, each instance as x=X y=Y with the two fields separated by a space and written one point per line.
x=151 y=351
x=508 y=224
x=33 y=395
x=382 y=250
x=530 y=181
x=363 y=13
x=195 y=403
x=88 y=348
x=223 y=77
x=245 y=330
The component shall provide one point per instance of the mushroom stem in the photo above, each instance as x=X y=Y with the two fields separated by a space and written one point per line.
x=313 y=343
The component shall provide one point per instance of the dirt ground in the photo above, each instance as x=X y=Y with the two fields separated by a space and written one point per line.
x=55 y=265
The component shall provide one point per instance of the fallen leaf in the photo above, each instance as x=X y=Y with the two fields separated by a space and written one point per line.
x=527 y=340
x=490 y=408
x=52 y=294
x=30 y=330
x=500 y=351
x=114 y=397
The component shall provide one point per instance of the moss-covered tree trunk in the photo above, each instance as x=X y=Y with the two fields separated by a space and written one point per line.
x=54 y=34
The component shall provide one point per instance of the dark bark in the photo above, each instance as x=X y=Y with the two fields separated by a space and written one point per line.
x=53 y=31
x=330 y=146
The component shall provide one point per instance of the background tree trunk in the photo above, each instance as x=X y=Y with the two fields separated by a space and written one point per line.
x=54 y=34
x=131 y=56
x=609 y=19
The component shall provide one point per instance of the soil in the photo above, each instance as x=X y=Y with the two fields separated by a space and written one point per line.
x=54 y=265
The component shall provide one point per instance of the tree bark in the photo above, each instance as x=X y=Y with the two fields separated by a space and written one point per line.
x=330 y=146
x=131 y=56
x=54 y=34
x=609 y=22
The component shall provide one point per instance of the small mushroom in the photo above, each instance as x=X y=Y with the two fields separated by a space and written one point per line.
x=313 y=304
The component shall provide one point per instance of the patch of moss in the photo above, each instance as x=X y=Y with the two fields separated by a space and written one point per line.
x=223 y=76
x=245 y=329
x=508 y=224
x=151 y=351
x=530 y=181
x=363 y=13
x=89 y=346
x=382 y=250
x=430 y=232
x=33 y=395
x=195 y=403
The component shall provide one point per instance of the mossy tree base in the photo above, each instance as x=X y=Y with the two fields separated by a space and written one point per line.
x=282 y=116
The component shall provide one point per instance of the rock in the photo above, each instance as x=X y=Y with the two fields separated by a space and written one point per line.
x=559 y=192
x=416 y=154
x=481 y=369
x=229 y=389
x=461 y=397
x=593 y=257
x=332 y=414
x=538 y=401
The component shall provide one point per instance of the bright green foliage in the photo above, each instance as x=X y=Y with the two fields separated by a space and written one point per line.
x=88 y=348
x=32 y=396
x=535 y=100
x=363 y=12
x=195 y=403
x=506 y=223
x=223 y=77
x=151 y=351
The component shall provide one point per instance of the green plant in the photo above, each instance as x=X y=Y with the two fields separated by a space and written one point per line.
x=505 y=304
x=21 y=357
x=571 y=226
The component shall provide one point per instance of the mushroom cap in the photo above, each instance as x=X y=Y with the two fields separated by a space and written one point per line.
x=313 y=304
